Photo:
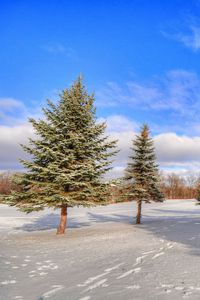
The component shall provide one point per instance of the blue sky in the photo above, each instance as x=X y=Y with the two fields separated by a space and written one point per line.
x=142 y=59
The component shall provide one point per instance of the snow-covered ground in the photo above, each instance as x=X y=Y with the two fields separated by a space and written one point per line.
x=103 y=254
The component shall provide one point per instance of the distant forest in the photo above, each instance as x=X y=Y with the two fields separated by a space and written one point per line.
x=172 y=185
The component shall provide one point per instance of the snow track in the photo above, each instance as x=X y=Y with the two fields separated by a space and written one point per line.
x=103 y=255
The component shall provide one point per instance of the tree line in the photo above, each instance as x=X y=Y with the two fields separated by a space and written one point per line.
x=70 y=156
x=173 y=186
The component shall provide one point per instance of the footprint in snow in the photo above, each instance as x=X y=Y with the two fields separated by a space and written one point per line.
x=96 y=285
x=157 y=255
x=54 y=290
x=6 y=282
x=94 y=278
x=148 y=252
x=134 y=287
x=132 y=271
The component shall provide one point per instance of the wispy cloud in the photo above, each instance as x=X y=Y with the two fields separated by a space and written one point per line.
x=186 y=30
x=58 y=48
x=119 y=123
x=10 y=104
x=15 y=112
x=11 y=110
x=177 y=91
x=190 y=40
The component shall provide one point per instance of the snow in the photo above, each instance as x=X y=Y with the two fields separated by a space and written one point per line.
x=157 y=255
x=103 y=255
x=55 y=289
x=136 y=270
x=10 y=218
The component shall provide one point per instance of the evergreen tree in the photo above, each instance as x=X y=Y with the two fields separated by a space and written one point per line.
x=69 y=157
x=141 y=174
x=198 y=193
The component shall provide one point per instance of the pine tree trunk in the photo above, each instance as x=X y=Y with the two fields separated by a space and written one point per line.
x=138 y=219
x=63 y=220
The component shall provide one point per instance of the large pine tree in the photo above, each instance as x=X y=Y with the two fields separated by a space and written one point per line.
x=69 y=157
x=141 y=174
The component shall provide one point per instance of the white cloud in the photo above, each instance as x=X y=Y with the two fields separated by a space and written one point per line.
x=55 y=48
x=58 y=48
x=123 y=130
x=193 y=40
x=10 y=140
x=10 y=104
x=14 y=112
x=9 y=108
x=14 y=130
x=119 y=123
x=185 y=29
x=177 y=149
x=119 y=127
x=178 y=91
x=116 y=172
x=188 y=35
x=174 y=152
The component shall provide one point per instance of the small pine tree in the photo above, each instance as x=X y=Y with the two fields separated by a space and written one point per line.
x=198 y=193
x=69 y=157
x=141 y=174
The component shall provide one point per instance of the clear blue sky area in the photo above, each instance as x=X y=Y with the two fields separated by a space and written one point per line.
x=138 y=56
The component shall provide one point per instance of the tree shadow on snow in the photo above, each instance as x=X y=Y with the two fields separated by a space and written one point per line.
x=178 y=212
x=51 y=221
x=176 y=226
x=183 y=230
x=101 y=218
